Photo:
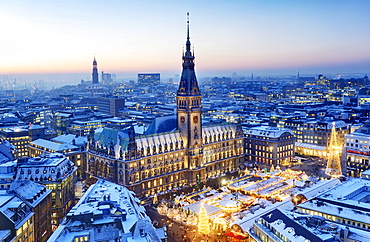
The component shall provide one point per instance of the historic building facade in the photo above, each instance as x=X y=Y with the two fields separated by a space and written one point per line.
x=190 y=154
x=58 y=174
x=269 y=146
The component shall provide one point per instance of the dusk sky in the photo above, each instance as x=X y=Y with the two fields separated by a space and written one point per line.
x=128 y=37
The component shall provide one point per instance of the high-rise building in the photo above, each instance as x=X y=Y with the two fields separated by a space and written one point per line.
x=106 y=77
x=95 y=75
x=179 y=152
x=149 y=79
x=110 y=105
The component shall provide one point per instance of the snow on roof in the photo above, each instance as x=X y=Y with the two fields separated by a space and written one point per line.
x=68 y=139
x=139 y=129
x=153 y=142
x=51 y=167
x=195 y=208
x=344 y=200
x=211 y=131
x=8 y=202
x=357 y=134
x=66 y=115
x=102 y=202
x=130 y=104
x=267 y=131
x=289 y=228
x=31 y=191
x=367 y=172
x=309 y=146
x=247 y=222
x=53 y=145
x=4 y=234
x=36 y=126
x=229 y=203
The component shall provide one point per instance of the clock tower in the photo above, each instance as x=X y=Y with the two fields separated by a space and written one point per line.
x=189 y=112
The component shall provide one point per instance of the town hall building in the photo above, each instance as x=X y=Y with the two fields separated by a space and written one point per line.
x=177 y=152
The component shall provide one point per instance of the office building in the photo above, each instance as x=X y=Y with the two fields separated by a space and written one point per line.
x=269 y=146
x=346 y=204
x=313 y=136
x=110 y=105
x=72 y=152
x=19 y=138
x=106 y=78
x=149 y=79
x=357 y=152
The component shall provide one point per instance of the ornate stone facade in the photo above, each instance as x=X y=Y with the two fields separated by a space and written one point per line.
x=190 y=155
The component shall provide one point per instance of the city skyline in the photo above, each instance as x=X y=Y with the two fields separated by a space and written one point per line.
x=127 y=38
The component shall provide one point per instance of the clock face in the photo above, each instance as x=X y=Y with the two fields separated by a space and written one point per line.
x=182 y=119
x=195 y=119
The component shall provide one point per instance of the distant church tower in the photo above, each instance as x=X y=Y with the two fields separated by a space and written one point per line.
x=95 y=76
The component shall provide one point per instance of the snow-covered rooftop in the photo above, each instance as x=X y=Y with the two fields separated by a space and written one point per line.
x=349 y=200
x=112 y=208
x=269 y=132
x=50 y=145
x=70 y=139
x=51 y=167
x=247 y=221
x=31 y=191
x=309 y=146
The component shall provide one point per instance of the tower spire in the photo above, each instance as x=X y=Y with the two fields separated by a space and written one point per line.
x=188 y=82
x=95 y=76
x=188 y=26
x=189 y=100
x=188 y=44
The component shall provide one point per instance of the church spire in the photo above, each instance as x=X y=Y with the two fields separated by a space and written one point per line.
x=95 y=76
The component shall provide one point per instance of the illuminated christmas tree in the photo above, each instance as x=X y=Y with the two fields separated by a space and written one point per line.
x=203 y=221
x=334 y=155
